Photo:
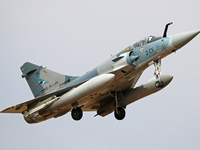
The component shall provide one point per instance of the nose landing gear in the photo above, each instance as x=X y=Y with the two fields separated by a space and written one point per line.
x=159 y=84
x=157 y=73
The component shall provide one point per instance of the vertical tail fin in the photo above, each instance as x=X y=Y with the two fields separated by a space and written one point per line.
x=41 y=80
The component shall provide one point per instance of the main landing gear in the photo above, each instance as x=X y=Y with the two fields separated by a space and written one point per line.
x=119 y=111
x=157 y=64
x=77 y=112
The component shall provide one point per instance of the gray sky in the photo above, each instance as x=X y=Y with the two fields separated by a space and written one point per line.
x=73 y=37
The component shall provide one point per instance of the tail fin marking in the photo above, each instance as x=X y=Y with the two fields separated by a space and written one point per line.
x=41 y=80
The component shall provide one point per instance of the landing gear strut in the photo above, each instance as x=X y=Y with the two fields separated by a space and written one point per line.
x=157 y=73
x=77 y=113
x=119 y=111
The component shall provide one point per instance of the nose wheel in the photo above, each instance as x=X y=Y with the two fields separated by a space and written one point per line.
x=159 y=84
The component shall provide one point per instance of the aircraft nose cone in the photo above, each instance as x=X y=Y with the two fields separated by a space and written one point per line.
x=179 y=40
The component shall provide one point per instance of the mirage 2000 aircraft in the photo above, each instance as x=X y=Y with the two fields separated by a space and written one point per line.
x=108 y=88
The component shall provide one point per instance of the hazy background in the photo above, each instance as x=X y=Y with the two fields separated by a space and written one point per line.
x=73 y=37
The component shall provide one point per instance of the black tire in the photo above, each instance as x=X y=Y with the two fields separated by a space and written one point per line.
x=159 y=84
x=77 y=113
x=120 y=113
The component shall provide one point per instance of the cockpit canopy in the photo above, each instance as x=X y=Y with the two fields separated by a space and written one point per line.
x=147 y=40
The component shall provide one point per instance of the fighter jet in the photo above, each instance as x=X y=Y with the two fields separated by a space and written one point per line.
x=108 y=88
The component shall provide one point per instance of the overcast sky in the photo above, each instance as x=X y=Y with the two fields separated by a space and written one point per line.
x=73 y=37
